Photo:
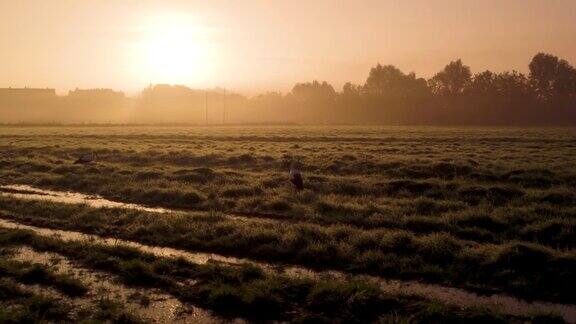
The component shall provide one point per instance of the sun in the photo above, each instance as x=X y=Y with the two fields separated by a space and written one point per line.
x=174 y=50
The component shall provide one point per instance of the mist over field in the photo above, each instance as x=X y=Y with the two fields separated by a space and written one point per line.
x=454 y=96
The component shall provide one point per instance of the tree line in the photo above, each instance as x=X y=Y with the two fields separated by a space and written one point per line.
x=547 y=95
x=454 y=96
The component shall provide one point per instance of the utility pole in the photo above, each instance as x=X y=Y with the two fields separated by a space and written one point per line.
x=224 y=110
x=206 y=105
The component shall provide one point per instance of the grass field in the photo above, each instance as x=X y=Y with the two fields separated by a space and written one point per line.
x=487 y=210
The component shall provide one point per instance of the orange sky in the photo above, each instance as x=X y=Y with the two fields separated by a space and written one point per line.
x=250 y=46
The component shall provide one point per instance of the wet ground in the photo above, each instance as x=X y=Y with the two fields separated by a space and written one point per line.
x=32 y=193
x=503 y=303
x=149 y=304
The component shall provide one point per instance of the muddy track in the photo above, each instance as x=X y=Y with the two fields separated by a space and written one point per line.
x=32 y=193
x=449 y=295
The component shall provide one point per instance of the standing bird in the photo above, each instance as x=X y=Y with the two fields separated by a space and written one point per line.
x=85 y=158
x=296 y=178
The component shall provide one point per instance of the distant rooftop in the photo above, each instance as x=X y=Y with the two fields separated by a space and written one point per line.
x=96 y=91
x=27 y=91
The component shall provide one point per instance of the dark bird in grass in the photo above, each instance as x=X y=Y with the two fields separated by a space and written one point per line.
x=296 y=178
x=85 y=158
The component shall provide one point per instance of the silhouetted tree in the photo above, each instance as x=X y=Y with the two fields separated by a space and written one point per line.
x=452 y=80
x=268 y=107
x=483 y=84
x=512 y=84
x=551 y=77
x=351 y=107
x=388 y=80
x=352 y=91
x=314 y=92
x=313 y=101
x=391 y=95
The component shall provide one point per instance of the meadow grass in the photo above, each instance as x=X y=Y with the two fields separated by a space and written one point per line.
x=20 y=306
x=246 y=291
x=482 y=208
x=526 y=269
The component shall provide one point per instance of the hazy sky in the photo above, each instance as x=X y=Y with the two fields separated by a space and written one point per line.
x=250 y=46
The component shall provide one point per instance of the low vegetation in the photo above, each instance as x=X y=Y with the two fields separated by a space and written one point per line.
x=246 y=291
x=20 y=304
x=526 y=269
x=38 y=274
x=486 y=209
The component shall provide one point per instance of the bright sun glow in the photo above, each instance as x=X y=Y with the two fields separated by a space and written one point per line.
x=174 y=50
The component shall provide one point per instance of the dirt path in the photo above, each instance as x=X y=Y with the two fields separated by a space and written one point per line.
x=33 y=193
x=454 y=296
x=21 y=191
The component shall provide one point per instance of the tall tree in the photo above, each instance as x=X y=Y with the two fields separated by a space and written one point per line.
x=388 y=80
x=483 y=84
x=313 y=101
x=314 y=92
x=551 y=77
x=452 y=80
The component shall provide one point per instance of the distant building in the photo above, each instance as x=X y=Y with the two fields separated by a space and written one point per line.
x=95 y=105
x=20 y=98
x=96 y=94
x=43 y=105
x=27 y=93
x=27 y=104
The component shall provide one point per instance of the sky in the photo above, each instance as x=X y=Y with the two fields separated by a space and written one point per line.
x=252 y=46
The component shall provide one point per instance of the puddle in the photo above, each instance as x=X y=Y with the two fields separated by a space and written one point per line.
x=454 y=296
x=32 y=193
x=149 y=304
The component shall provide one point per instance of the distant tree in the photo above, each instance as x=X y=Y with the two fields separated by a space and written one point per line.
x=350 y=90
x=511 y=84
x=314 y=92
x=551 y=77
x=350 y=105
x=392 y=96
x=483 y=83
x=385 y=79
x=388 y=80
x=453 y=96
x=312 y=101
x=452 y=80
x=268 y=107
